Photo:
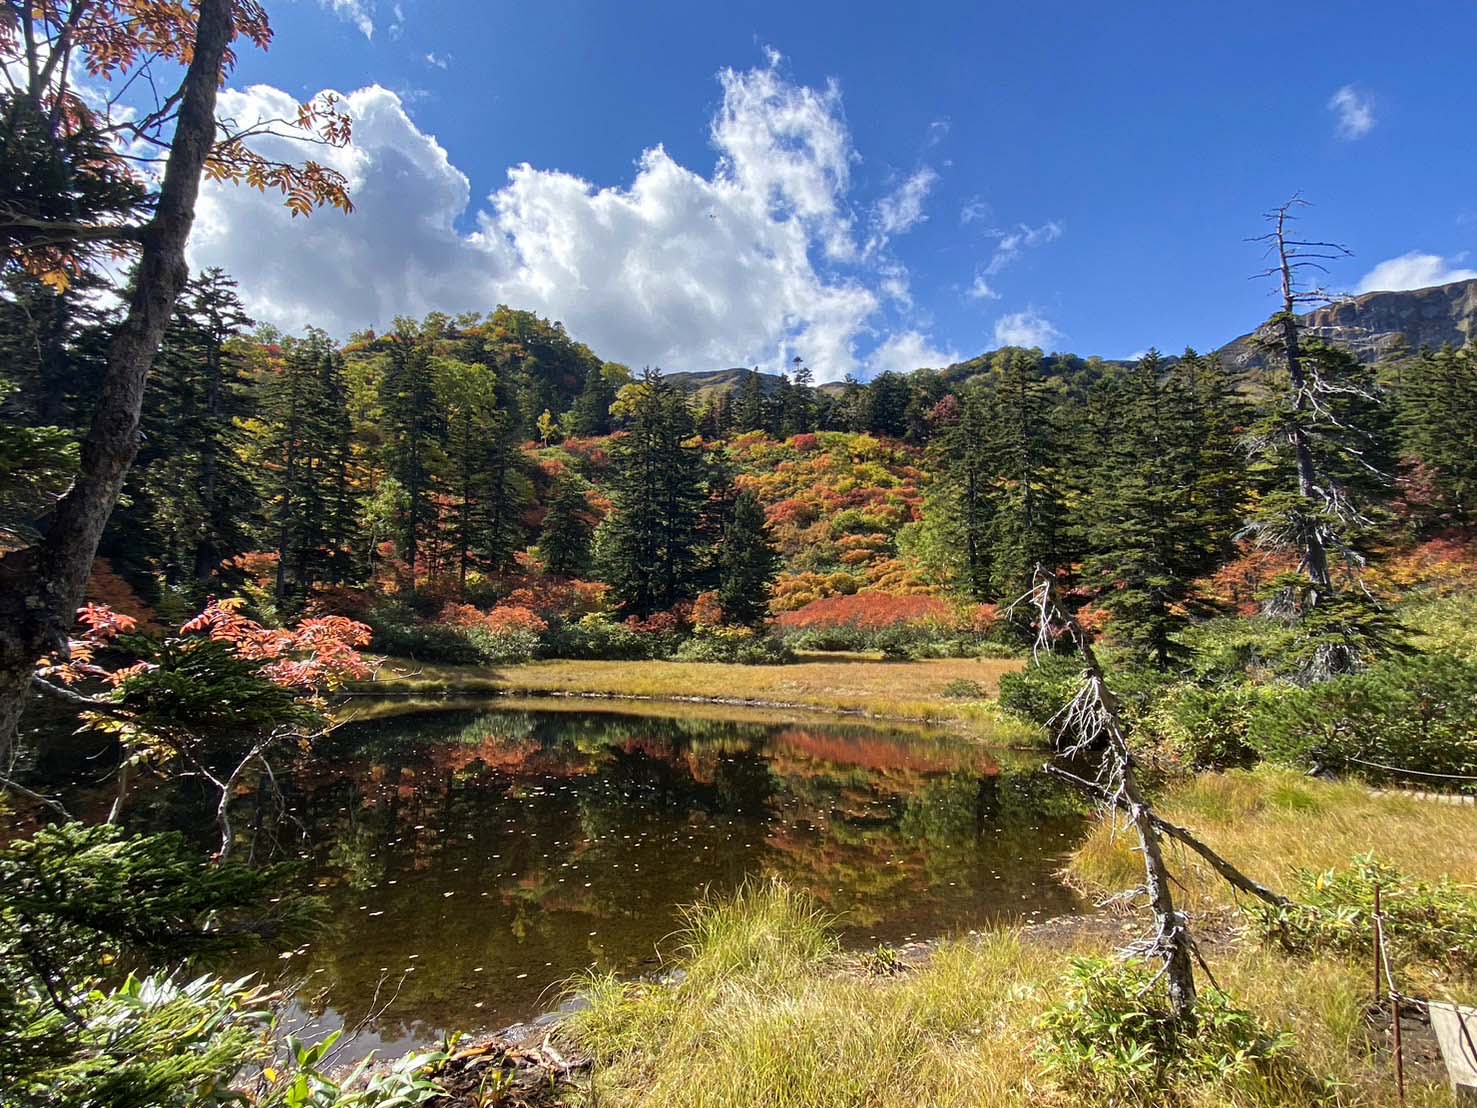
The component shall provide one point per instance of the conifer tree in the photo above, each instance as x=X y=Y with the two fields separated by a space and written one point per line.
x=1025 y=445
x=961 y=504
x=306 y=453
x=749 y=408
x=648 y=544
x=1437 y=405
x=1142 y=527
x=565 y=544
x=887 y=399
x=1321 y=450
x=413 y=427
x=591 y=412
x=467 y=395
x=748 y=563
x=803 y=411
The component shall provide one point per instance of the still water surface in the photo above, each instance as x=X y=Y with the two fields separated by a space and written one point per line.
x=472 y=859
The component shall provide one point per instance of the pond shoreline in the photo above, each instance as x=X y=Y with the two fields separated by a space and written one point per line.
x=850 y=686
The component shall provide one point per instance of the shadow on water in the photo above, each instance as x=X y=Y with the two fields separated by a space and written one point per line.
x=476 y=857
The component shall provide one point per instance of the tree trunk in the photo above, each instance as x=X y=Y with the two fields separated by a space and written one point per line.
x=1315 y=557
x=41 y=586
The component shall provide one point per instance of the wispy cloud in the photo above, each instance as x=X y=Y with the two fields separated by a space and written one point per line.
x=1012 y=244
x=1354 y=112
x=980 y=289
x=902 y=209
x=357 y=12
x=440 y=61
x=1009 y=246
x=975 y=210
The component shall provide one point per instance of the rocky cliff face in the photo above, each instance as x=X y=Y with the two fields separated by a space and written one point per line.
x=1378 y=324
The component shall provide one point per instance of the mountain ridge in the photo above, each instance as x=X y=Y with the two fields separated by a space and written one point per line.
x=1373 y=325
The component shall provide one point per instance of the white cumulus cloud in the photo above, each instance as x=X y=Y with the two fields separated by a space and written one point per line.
x=752 y=263
x=905 y=351
x=1414 y=271
x=1027 y=328
x=1353 y=111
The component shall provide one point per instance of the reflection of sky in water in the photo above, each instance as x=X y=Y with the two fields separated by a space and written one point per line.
x=470 y=861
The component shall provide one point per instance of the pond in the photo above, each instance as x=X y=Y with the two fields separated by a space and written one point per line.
x=472 y=859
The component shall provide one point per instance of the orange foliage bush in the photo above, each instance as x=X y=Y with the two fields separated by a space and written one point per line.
x=707 y=611
x=554 y=597
x=107 y=589
x=320 y=652
x=503 y=620
x=1444 y=563
x=1239 y=583
x=795 y=590
x=870 y=611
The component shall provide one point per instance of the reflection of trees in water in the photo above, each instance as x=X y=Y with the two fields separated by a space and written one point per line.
x=493 y=844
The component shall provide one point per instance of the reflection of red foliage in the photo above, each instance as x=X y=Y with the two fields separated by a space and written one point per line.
x=879 y=753
x=870 y=611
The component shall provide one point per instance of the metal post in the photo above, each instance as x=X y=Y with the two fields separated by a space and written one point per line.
x=1399 y=1050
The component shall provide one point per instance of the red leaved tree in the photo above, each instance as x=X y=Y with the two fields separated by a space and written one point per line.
x=86 y=178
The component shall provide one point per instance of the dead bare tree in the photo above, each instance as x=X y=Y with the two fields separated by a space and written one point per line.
x=1093 y=721
x=1322 y=427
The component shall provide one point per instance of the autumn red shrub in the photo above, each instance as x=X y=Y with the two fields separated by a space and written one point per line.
x=870 y=611
x=320 y=652
x=707 y=611
x=1240 y=583
x=504 y=619
x=1443 y=563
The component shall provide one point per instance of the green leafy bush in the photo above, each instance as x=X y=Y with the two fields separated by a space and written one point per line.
x=1334 y=911
x=599 y=636
x=1039 y=692
x=1418 y=713
x=962 y=688
x=1195 y=727
x=1115 y=1040
x=400 y=634
x=734 y=644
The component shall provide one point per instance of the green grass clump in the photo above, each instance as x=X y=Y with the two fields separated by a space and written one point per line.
x=1434 y=922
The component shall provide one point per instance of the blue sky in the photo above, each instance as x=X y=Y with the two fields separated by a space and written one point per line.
x=869 y=185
